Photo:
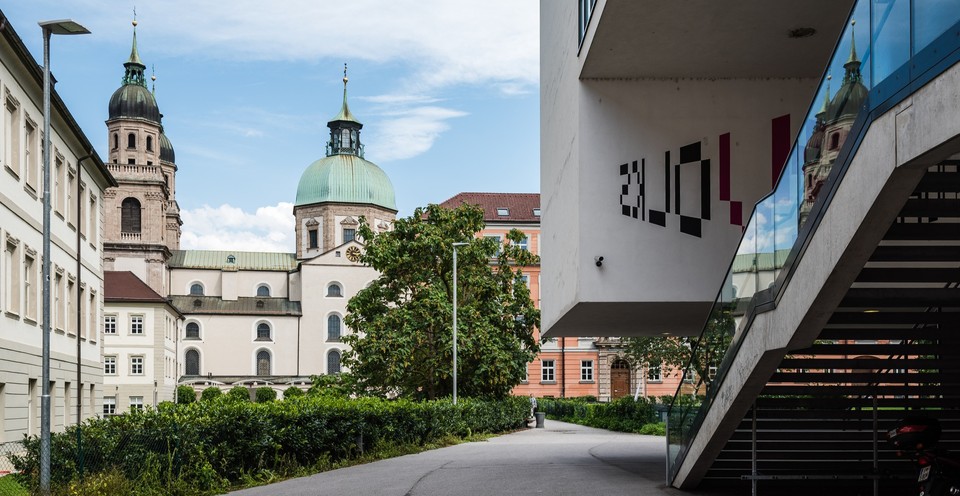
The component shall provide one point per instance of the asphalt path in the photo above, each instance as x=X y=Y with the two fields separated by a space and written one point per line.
x=559 y=459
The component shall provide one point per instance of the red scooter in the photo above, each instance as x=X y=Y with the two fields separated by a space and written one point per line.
x=917 y=437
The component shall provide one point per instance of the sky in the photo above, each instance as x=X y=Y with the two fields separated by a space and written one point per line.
x=448 y=93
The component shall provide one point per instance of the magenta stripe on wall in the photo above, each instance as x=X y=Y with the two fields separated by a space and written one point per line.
x=780 y=139
x=725 y=167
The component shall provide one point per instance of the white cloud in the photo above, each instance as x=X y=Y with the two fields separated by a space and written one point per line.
x=464 y=42
x=270 y=228
x=406 y=132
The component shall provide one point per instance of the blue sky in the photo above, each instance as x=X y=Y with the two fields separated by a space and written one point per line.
x=447 y=92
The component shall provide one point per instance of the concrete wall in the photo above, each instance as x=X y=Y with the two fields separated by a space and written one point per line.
x=654 y=277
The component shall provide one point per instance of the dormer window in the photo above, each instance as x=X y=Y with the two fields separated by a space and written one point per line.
x=231 y=259
x=503 y=212
x=536 y=212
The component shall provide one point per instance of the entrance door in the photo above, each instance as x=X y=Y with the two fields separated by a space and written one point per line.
x=619 y=379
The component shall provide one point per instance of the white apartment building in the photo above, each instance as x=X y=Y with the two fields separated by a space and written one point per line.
x=77 y=186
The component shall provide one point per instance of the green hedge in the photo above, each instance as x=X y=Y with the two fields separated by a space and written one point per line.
x=207 y=446
x=624 y=414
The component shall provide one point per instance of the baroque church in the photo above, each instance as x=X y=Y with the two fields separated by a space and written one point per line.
x=222 y=318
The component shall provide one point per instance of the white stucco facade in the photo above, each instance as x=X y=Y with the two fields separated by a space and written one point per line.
x=78 y=181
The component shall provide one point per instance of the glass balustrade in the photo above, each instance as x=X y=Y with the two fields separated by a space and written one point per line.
x=880 y=39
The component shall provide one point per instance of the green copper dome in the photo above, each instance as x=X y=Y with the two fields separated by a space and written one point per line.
x=345 y=178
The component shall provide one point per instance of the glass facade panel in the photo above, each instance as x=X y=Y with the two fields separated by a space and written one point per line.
x=931 y=18
x=890 y=29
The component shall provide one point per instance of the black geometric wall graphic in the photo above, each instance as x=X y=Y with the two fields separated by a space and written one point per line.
x=659 y=217
x=690 y=156
x=633 y=206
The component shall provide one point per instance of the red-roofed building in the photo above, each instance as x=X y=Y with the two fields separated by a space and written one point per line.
x=565 y=367
x=140 y=329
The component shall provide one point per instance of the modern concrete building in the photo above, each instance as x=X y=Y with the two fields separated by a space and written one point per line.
x=782 y=174
x=78 y=182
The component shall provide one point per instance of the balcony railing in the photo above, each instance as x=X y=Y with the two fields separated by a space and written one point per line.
x=130 y=236
x=887 y=50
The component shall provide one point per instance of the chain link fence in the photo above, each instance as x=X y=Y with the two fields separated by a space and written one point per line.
x=9 y=485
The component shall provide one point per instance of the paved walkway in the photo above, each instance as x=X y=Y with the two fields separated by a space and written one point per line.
x=558 y=460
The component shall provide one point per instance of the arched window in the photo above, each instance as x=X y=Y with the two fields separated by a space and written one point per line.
x=834 y=141
x=334 y=290
x=149 y=143
x=193 y=330
x=196 y=289
x=263 y=290
x=333 y=328
x=130 y=215
x=116 y=141
x=131 y=140
x=263 y=362
x=263 y=331
x=333 y=362
x=192 y=360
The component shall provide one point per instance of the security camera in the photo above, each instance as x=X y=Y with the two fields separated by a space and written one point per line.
x=598 y=261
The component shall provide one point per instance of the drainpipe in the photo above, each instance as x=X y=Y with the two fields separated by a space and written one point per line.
x=563 y=367
x=79 y=283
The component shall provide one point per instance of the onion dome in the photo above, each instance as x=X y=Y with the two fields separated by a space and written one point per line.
x=852 y=93
x=814 y=148
x=344 y=176
x=133 y=100
x=166 y=148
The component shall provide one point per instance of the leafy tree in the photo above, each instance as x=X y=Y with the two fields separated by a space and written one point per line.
x=185 y=395
x=674 y=353
x=265 y=394
x=340 y=385
x=292 y=392
x=210 y=393
x=403 y=320
x=239 y=393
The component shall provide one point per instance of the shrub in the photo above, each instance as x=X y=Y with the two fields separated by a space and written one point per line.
x=292 y=392
x=211 y=393
x=624 y=414
x=206 y=447
x=658 y=429
x=265 y=394
x=186 y=395
x=239 y=393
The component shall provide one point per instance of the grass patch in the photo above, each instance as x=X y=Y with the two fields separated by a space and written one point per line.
x=10 y=487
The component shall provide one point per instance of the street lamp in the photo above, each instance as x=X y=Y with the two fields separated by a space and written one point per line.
x=455 y=245
x=62 y=26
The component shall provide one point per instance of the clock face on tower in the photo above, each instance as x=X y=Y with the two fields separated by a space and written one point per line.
x=353 y=254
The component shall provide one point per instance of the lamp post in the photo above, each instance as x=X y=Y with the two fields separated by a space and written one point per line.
x=455 y=245
x=62 y=26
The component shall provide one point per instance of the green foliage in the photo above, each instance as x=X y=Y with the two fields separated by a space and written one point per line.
x=10 y=487
x=335 y=386
x=292 y=392
x=209 y=446
x=238 y=393
x=624 y=414
x=402 y=322
x=186 y=395
x=211 y=393
x=674 y=353
x=265 y=394
x=658 y=429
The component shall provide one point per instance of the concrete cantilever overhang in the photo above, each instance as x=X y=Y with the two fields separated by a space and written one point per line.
x=897 y=148
x=650 y=78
